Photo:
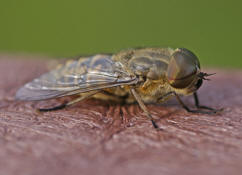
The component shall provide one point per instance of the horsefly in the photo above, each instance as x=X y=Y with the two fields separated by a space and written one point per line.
x=145 y=75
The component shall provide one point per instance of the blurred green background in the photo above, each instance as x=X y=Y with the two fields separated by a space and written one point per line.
x=210 y=28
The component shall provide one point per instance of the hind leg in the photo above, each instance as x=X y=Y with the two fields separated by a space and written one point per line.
x=76 y=100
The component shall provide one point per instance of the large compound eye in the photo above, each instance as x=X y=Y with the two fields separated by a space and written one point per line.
x=182 y=68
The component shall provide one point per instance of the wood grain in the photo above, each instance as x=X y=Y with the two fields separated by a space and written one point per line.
x=96 y=137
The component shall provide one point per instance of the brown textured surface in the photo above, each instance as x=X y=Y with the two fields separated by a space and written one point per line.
x=94 y=137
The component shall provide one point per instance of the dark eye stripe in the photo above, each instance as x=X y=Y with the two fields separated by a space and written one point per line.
x=185 y=77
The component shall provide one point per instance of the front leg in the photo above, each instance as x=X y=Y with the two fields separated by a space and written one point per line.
x=164 y=97
x=207 y=110
x=197 y=104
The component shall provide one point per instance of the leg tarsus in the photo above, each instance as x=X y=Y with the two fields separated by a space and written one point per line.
x=62 y=106
x=210 y=110
x=69 y=103
x=197 y=104
x=154 y=124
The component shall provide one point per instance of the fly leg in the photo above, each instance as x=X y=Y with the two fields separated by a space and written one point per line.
x=197 y=104
x=53 y=108
x=164 y=97
x=143 y=107
x=208 y=110
x=68 y=103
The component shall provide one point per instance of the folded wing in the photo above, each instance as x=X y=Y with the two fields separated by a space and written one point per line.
x=83 y=75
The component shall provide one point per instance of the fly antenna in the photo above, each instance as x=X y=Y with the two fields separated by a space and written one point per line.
x=203 y=75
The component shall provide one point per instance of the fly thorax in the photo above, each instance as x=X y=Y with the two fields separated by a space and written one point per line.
x=152 y=90
x=147 y=67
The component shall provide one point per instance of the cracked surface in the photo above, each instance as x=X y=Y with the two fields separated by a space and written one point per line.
x=95 y=137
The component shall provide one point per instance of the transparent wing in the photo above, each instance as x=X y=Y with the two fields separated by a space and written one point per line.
x=83 y=75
